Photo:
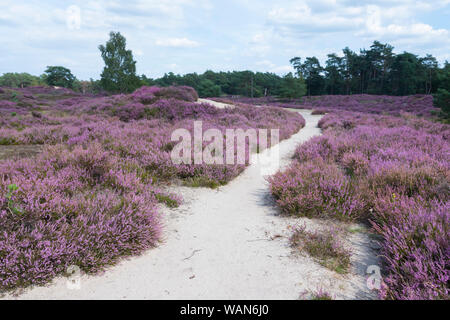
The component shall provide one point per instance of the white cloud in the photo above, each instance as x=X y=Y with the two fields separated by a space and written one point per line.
x=258 y=38
x=282 y=69
x=375 y=26
x=332 y=18
x=400 y=28
x=177 y=43
x=364 y=19
x=313 y=24
x=265 y=63
x=239 y=35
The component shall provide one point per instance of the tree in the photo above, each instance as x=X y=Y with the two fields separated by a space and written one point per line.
x=119 y=73
x=350 y=71
x=19 y=80
x=444 y=76
x=312 y=71
x=442 y=100
x=378 y=61
x=59 y=76
x=292 y=87
x=429 y=68
x=146 y=81
x=442 y=96
x=169 y=79
x=405 y=73
x=207 y=88
x=297 y=65
x=334 y=71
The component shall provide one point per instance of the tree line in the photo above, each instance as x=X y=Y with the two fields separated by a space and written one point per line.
x=242 y=83
x=377 y=70
x=119 y=76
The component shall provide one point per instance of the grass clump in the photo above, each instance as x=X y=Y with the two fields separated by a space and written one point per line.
x=324 y=246
x=167 y=200
x=198 y=182
x=6 y=141
x=321 y=295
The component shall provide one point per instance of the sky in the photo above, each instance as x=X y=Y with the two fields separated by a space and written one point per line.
x=184 y=36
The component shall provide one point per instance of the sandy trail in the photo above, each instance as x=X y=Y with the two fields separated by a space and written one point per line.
x=227 y=243
x=216 y=104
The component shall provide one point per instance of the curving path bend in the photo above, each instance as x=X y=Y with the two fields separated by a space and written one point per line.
x=227 y=243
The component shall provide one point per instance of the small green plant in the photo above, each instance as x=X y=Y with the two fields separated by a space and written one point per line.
x=13 y=114
x=197 y=182
x=356 y=229
x=14 y=96
x=321 y=295
x=12 y=206
x=167 y=200
x=4 y=141
x=324 y=246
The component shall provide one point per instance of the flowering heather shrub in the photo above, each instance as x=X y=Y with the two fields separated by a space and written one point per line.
x=375 y=104
x=316 y=188
x=348 y=120
x=91 y=196
x=145 y=94
x=247 y=100
x=416 y=247
x=396 y=169
x=355 y=164
x=71 y=207
x=148 y=95
x=318 y=112
x=416 y=104
x=184 y=93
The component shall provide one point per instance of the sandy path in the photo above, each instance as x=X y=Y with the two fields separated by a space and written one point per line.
x=227 y=243
x=219 y=105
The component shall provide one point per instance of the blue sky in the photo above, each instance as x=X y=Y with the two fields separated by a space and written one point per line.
x=196 y=35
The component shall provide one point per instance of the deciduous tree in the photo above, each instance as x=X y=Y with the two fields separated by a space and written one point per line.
x=119 y=73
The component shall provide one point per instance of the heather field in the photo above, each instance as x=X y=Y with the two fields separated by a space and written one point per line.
x=379 y=163
x=225 y=156
x=82 y=177
x=421 y=105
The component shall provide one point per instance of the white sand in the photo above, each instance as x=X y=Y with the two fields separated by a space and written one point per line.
x=219 y=105
x=227 y=243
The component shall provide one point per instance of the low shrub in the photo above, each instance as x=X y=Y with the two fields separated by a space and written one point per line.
x=416 y=247
x=316 y=188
